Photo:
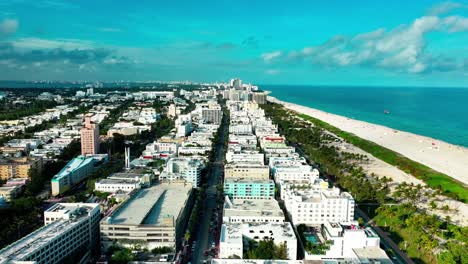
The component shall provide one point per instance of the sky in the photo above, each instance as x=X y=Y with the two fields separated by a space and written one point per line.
x=388 y=43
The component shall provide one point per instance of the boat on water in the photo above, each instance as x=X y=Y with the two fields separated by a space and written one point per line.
x=386 y=112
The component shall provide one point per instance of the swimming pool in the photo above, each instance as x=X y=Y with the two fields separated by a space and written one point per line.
x=312 y=238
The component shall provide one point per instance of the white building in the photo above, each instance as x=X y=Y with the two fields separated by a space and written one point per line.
x=252 y=211
x=240 y=128
x=234 y=236
x=71 y=230
x=212 y=114
x=317 y=204
x=346 y=240
x=253 y=158
x=160 y=150
x=184 y=129
x=112 y=186
x=123 y=181
x=298 y=173
x=183 y=169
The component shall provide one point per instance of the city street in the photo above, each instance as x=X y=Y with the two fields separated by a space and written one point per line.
x=205 y=238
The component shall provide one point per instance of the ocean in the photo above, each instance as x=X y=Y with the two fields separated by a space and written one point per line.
x=440 y=113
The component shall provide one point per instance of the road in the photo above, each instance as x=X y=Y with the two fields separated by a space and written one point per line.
x=386 y=241
x=205 y=238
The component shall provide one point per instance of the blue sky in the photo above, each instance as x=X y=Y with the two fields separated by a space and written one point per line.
x=423 y=43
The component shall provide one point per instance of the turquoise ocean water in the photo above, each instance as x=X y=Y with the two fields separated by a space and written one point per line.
x=440 y=113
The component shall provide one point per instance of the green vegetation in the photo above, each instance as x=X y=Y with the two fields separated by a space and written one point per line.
x=434 y=179
x=113 y=117
x=420 y=234
x=266 y=249
x=23 y=217
x=122 y=256
x=162 y=250
x=10 y=111
x=424 y=237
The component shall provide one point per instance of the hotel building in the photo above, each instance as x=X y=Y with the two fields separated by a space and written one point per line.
x=89 y=137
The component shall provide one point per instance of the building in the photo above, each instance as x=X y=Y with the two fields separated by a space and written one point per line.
x=123 y=182
x=153 y=217
x=172 y=111
x=345 y=240
x=247 y=171
x=20 y=167
x=252 y=211
x=160 y=150
x=259 y=97
x=249 y=189
x=245 y=157
x=236 y=236
x=317 y=204
x=89 y=137
x=183 y=169
x=74 y=172
x=212 y=114
x=184 y=129
x=70 y=235
x=112 y=186
x=10 y=192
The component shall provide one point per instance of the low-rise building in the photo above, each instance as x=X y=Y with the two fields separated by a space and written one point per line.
x=153 y=217
x=249 y=189
x=345 y=240
x=10 y=192
x=317 y=204
x=252 y=211
x=236 y=236
x=20 y=167
x=74 y=172
x=247 y=171
x=183 y=169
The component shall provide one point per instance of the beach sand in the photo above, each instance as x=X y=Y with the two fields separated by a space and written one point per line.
x=438 y=155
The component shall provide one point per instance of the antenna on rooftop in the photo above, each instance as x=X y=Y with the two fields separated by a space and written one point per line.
x=127 y=158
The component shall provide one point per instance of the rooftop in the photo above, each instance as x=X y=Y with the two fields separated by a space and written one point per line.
x=28 y=244
x=259 y=208
x=73 y=165
x=372 y=255
x=158 y=205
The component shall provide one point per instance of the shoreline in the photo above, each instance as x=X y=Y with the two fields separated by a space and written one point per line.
x=441 y=156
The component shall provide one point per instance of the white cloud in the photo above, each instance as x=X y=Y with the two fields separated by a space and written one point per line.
x=38 y=43
x=402 y=49
x=443 y=8
x=456 y=23
x=8 y=26
x=271 y=55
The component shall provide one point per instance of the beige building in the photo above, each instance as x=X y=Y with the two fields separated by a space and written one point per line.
x=89 y=137
x=259 y=97
x=247 y=171
x=153 y=217
x=19 y=167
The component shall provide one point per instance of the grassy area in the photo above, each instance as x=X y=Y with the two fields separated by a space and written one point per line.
x=434 y=179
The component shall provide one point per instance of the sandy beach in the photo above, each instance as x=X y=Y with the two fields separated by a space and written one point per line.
x=441 y=156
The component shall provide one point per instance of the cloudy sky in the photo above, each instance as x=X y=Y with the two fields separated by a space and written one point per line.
x=423 y=43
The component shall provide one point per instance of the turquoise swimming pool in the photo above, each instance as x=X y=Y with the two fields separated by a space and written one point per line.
x=312 y=238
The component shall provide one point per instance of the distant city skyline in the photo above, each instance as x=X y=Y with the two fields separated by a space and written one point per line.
x=397 y=43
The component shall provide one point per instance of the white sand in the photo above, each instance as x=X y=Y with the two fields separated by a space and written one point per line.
x=438 y=155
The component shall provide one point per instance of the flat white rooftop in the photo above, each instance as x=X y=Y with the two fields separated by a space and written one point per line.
x=252 y=208
x=158 y=205
x=44 y=235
